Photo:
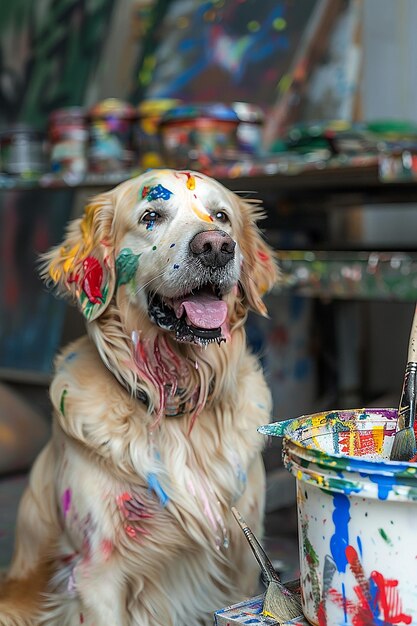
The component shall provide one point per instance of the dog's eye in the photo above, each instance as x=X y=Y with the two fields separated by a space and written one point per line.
x=221 y=216
x=150 y=217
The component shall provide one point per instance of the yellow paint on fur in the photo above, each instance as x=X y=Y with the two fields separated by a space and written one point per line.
x=190 y=182
x=87 y=229
x=203 y=215
x=65 y=263
x=55 y=272
x=69 y=257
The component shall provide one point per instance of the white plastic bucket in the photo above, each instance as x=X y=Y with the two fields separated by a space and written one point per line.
x=357 y=517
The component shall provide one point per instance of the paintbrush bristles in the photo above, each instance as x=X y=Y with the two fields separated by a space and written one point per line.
x=280 y=603
x=280 y=606
x=404 y=446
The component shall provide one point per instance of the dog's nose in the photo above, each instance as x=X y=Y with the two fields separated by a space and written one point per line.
x=214 y=248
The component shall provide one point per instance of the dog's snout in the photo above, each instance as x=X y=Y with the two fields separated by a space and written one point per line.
x=214 y=248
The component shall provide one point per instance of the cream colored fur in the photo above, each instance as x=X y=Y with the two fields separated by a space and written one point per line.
x=97 y=543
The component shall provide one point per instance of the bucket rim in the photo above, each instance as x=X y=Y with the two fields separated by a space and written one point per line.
x=287 y=428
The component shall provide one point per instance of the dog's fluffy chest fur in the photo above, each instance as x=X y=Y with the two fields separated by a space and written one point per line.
x=124 y=486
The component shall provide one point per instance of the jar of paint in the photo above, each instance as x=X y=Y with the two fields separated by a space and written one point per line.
x=146 y=135
x=249 y=132
x=196 y=135
x=68 y=141
x=111 y=137
x=356 y=512
x=23 y=151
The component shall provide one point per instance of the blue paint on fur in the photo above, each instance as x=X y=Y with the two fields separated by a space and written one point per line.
x=158 y=191
x=155 y=486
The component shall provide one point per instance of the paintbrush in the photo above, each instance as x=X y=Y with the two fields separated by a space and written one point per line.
x=279 y=603
x=404 y=446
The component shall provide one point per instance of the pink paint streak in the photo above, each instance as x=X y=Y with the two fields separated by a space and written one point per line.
x=161 y=367
x=106 y=547
x=66 y=501
x=135 y=511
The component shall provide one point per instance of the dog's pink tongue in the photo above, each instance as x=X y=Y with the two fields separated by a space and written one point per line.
x=203 y=311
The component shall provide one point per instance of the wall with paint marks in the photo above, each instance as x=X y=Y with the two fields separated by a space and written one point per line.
x=284 y=346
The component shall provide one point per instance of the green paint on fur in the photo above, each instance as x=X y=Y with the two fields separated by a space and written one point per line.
x=126 y=266
x=88 y=307
x=62 y=402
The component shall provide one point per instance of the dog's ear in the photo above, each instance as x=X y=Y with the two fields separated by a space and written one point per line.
x=83 y=265
x=259 y=269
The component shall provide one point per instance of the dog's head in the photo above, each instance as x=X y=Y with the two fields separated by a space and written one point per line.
x=184 y=249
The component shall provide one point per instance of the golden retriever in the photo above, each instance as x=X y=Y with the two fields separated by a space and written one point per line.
x=126 y=520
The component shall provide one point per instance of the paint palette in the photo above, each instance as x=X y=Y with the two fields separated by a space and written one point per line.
x=250 y=612
x=358 y=554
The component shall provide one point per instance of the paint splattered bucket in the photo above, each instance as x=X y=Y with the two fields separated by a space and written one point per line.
x=249 y=132
x=68 y=141
x=111 y=136
x=356 y=517
x=147 y=137
x=196 y=135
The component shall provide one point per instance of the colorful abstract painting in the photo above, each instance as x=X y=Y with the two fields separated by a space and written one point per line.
x=233 y=50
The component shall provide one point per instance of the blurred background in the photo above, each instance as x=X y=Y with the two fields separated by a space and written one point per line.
x=308 y=105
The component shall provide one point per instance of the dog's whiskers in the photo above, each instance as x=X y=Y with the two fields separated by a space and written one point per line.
x=245 y=194
x=242 y=271
x=142 y=287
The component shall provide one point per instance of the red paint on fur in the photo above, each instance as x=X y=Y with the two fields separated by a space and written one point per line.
x=263 y=256
x=90 y=279
x=132 y=508
x=93 y=277
x=158 y=365
x=106 y=548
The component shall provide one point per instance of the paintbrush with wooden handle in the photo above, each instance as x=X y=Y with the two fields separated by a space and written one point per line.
x=279 y=602
x=404 y=446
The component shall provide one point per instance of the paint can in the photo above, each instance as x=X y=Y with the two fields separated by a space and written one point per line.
x=356 y=517
x=111 y=137
x=68 y=140
x=146 y=135
x=23 y=151
x=197 y=135
x=249 y=131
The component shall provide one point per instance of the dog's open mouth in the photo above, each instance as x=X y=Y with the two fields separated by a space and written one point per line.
x=198 y=317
